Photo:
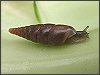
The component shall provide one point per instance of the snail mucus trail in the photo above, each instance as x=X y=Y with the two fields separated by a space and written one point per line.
x=51 y=33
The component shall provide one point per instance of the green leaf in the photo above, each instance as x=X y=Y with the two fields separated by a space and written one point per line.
x=22 y=56
x=78 y=14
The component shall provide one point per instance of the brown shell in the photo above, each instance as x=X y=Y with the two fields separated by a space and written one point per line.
x=45 y=33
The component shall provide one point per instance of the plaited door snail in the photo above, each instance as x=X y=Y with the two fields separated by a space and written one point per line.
x=51 y=33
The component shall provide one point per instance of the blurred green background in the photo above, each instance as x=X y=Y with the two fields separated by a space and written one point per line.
x=22 y=56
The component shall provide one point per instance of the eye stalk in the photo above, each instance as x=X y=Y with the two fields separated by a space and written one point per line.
x=85 y=29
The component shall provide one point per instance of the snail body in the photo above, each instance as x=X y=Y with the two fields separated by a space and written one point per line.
x=50 y=33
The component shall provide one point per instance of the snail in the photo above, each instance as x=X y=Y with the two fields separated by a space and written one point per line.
x=51 y=33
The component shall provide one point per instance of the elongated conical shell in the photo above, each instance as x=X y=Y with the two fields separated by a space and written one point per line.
x=45 y=33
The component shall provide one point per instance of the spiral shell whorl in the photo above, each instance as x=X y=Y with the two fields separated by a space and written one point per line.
x=35 y=33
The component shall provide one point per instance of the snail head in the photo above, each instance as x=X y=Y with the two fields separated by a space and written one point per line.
x=83 y=34
x=80 y=36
